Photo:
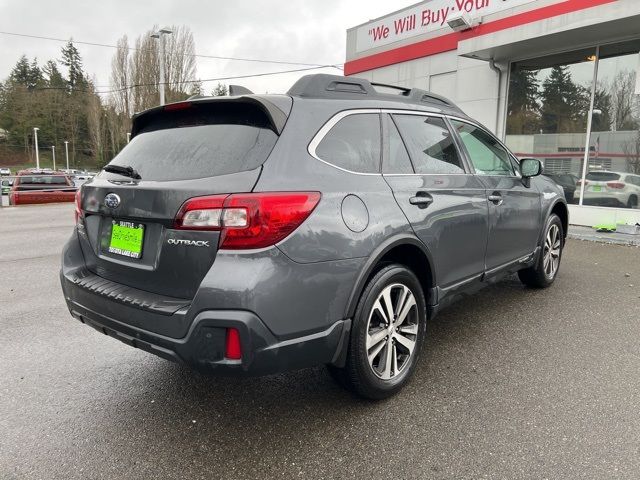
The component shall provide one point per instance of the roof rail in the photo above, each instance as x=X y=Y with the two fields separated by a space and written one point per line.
x=322 y=85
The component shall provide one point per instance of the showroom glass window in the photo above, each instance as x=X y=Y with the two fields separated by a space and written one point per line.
x=549 y=105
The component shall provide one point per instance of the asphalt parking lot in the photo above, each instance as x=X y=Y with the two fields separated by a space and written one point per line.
x=513 y=383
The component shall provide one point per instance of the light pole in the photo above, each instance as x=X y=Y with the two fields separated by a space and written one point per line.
x=66 y=153
x=53 y=153
x=160 y=36
x=128 y=137
x=35 y=138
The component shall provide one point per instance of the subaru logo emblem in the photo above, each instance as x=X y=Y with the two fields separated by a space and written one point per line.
x=112 y=200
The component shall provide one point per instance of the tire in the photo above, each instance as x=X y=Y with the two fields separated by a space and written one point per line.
x=632 y=202
x=544 y=272
x=380 y=368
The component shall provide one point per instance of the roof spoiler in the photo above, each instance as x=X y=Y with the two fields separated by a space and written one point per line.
x=277 y=117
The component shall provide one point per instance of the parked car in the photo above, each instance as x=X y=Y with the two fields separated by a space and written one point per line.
x=5 y=171
x=6 y=185
x=328 y=226
x=567 y=181
x=30 y=188
x=610 y=189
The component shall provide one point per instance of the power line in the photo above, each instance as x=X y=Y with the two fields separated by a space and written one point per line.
x=218 y=79
x=215 y=57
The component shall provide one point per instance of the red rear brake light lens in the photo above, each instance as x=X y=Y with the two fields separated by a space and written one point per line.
x=177 y=106
x=78 y=203
x=616 y=185
x=248 y=220
x=232 y=347
x=586 y=182
x=270 y=217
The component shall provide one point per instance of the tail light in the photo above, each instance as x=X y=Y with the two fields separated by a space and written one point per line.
x=248 y=220
x=586 y=182
x=78 y=203
x=232 y=347
x=616 y=185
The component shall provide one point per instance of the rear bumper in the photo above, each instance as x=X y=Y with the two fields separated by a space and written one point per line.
x=204 y=344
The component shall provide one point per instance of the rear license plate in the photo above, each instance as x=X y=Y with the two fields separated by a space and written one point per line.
x=597 y=188
x=126 y=239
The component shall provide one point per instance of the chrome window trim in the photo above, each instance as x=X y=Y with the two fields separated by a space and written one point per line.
x=516 y=174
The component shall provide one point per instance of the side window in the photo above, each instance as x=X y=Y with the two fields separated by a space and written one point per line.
x=486 y=153
x=353 y=144
x=430 y=144
x=399 y=161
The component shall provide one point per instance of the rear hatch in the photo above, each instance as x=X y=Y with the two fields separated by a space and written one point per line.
x=603 y=183
x=192 y=149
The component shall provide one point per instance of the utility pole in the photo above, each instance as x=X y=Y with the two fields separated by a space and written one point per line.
x=53 y=153
x=35 y=138
x=160 y=36
x=66 y=153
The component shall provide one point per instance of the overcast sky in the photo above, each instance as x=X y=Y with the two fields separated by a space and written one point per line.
x=309 y=31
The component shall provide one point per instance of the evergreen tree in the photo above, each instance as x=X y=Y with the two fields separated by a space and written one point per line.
x=53 y=76
x=564 y=104
x=220 y=90
x=71 y=59
x=523 y=109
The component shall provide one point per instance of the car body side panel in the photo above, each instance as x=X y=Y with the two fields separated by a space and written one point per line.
x=340 y=227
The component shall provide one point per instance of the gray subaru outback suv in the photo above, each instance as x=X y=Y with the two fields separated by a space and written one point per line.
x=254 y=234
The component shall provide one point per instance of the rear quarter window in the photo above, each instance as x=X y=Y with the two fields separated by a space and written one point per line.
x=353 y=143
x=201 y=141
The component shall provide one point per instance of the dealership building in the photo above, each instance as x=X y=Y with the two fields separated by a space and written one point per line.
x=557 y=80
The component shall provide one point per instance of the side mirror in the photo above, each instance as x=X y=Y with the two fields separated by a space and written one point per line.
x=530 y=167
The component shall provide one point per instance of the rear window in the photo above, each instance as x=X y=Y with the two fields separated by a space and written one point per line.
x=201 y=141
x=42 y=180
x=602 y=176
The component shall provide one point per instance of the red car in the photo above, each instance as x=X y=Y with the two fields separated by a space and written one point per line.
x=41 y=188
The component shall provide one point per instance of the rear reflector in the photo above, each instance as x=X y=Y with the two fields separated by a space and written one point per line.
x=78 y=202
x=248 y=220
x=232 y=348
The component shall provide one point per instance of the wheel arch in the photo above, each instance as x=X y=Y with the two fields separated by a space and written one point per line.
x=560 y=208
x=406 y=249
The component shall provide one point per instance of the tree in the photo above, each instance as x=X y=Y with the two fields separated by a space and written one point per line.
x=72 y=60
x=602 y=101
x=220 y=90
x=523 y=110
x=564 y=103
x=625 y=103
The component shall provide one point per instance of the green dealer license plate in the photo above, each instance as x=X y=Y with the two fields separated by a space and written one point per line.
x=126 y=239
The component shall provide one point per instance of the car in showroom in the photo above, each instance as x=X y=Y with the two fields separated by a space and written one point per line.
x=32 y=188
x=254 y=234
x=567 y=181
x=610 y=189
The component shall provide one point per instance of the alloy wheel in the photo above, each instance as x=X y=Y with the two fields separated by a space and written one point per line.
x=551 y=252
x=392 y=331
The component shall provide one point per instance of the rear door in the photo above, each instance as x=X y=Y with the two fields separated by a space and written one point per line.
x=514 y=208
x=444 y=203
x=194 y=150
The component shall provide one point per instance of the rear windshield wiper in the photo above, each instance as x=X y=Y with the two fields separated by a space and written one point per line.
x=126 y=171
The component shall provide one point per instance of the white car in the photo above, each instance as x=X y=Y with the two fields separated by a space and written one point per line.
x=5 y=171
x=610 y=189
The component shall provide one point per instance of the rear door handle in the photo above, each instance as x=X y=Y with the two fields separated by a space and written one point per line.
x=421 y=199
x=496 y=198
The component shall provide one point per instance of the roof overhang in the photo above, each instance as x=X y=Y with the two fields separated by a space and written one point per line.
x=618 y=21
